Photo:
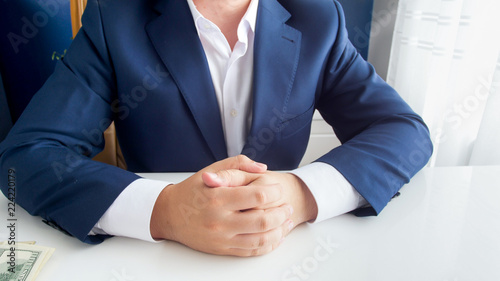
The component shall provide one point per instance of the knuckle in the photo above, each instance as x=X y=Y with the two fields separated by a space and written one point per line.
x=241 y=159
x=260 y=197
x=264 y=223
x=261 y=251
x=263 y=240
x=254 y=252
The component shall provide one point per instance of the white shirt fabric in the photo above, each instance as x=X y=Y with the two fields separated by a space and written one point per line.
x=232 y=73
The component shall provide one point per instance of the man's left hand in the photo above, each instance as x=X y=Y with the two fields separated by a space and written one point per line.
x=297 y=194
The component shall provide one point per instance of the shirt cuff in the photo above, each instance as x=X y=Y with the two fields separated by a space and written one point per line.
x=130 y=213
x=334 y=195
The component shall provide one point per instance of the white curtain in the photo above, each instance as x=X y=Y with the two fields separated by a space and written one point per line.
x=445 y=62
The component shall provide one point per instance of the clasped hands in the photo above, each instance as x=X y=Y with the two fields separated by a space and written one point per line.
x=232 y=207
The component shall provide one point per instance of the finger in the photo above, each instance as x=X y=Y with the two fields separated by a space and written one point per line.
x=240 y=162
x=247 y=197
x=251 y=252
x=260 y=221
x=228 y=178
x=271 y=238
x=259 y=243
x=248 y=165
x=245 y=242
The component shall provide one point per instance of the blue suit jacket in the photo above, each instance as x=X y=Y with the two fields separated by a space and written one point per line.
x=141 y=64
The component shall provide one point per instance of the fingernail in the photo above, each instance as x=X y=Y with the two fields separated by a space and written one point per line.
x=290 y=225
x=260 y=165
x=212 y=175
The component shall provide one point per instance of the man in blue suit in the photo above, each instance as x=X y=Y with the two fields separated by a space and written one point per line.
x=191 y=84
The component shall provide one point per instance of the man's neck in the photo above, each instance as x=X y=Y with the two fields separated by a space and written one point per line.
x=226 y=14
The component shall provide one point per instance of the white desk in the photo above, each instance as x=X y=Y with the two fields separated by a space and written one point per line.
x=445 y=226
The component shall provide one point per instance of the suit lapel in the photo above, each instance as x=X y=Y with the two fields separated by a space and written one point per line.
x=175 y=39
x=276 y=56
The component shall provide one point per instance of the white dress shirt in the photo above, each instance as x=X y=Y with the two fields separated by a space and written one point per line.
x=232 y=73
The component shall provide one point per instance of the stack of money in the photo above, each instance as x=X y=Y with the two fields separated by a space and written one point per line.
x=22 y=261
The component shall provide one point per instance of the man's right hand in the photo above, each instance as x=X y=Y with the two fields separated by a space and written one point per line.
x=223 y=220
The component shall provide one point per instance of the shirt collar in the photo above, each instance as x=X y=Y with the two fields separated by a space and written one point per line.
x=250 y=16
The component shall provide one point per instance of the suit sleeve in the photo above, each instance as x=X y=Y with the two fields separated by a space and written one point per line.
x=52 y=144
x=384 y=143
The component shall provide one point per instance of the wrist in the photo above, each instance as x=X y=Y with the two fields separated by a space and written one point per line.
x=160 y=224
x=305 y=202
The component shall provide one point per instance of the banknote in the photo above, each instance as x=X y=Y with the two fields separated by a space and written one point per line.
x=19 y=242
x=22 y=261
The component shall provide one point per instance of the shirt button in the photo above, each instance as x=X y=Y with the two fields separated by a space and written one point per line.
x=234 y=113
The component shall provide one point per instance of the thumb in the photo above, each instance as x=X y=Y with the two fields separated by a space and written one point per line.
x=240 y=162
x=228 y=178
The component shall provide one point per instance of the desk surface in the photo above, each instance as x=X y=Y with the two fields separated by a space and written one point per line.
x=445 y=226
